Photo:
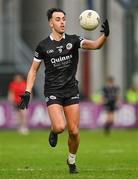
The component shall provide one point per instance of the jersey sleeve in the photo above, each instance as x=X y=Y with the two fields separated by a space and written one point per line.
x=38 y=55
x=79 y=41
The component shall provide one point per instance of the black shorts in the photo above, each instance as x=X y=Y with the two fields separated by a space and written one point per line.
x=64 y=100
x=110 y=107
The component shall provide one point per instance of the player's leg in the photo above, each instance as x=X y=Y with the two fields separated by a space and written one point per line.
x=72 y=114
x=57 y=122
x=23 y=121
x=109 y=121
x=110 y=117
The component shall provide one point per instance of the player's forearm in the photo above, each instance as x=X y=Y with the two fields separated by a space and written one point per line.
x=100 y=41
x=31 y=80
x=97 y=44
x=11 y=97
x=92 y=45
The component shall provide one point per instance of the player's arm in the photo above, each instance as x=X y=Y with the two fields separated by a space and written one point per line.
x=32 y=76
x=97 y=44
x=92 y=45
x=11 y=96
x=25 y=98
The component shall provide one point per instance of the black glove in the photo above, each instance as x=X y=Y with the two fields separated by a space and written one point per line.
x=24 y=100
x=105 y=28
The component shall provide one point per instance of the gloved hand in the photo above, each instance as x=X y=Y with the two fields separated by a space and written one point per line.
x=105 y=28
x=24 y=100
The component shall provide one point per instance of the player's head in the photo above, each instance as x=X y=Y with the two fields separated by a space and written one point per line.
x=110 y=81
x=57 y=20
x=18 y=77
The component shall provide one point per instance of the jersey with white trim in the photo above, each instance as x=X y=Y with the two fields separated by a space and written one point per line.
x=60 y=59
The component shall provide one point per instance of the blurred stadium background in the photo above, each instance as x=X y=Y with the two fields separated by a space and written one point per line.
x=23 y=24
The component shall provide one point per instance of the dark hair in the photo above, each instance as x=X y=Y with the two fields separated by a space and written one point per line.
x=52 y=10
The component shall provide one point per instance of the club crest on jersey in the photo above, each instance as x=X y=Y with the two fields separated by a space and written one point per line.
x=68 y=46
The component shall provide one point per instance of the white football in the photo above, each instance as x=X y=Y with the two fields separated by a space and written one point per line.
x=89 y=20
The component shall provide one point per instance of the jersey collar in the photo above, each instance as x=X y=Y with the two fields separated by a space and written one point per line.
x=53 y=39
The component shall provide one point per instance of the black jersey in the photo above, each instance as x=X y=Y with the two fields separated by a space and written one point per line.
x=110 y=94
x=60 y=59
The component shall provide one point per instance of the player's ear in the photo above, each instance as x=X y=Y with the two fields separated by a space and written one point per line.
x=50 y=23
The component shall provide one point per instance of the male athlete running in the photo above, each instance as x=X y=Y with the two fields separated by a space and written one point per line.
x=59 y=52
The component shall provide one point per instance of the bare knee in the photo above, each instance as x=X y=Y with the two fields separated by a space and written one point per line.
x=58 y=128
x=74 y=132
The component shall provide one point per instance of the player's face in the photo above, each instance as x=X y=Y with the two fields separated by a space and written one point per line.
x=57 y=22
x=18 y=78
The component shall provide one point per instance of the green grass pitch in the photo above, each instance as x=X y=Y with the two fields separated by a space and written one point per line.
x=99 y=156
